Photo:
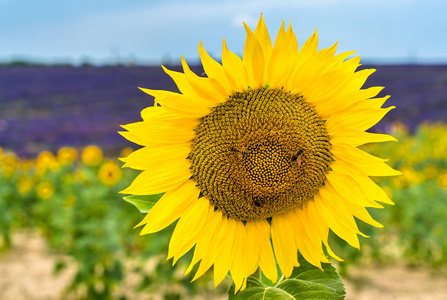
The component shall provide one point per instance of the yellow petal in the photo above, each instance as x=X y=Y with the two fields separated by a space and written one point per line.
x=352 y=63
x=169 y=207
x=183 y=83
x=342 y=56
x=280 y=69
x=145 y=158
x=371 y=190
x=240 y=268
x=159 y=117
x=322 y=88
x=357 y=119
x=207 y=88
x=160 y=128
x=180 y=104
x=266 y=258
x=206 y=238
x=253 y=246
x=316 y=80
x=308 y=49
x=338 y=208
x=374 y=103
x=244 y=285
x=171 y=133
x=283 y=238
x=350 y=189
x=333 y=96
x=370 y=92
x=359 y=79
x=308 y=246
x=319 y=64
x=225 y=258
x=152 y=113
x=328 y=54
x=212 y=253
x=214 y=70
x=312 y=231
x=369 y=164
x=134 y=138
x=362 y=214
x=263 y=37
x=356 y=210
x=164 y=176
x=190 y=225
x=334 y=224
x=321 y=227
x=234 y=69
x=254 y=60
x=357 y=138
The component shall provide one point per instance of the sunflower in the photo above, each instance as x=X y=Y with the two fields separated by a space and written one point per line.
x=92 y=156
x=126 y=151
x=259 y=160
x=46 y=161
x=9 y=162
x=24 y=185
x=67 y=155
x=45 y=190
x=109 y=173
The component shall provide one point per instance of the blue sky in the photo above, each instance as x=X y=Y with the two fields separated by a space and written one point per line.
x=153 y=31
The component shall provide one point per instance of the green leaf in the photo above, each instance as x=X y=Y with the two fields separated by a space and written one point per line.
x=307 y=282
x=144 y=203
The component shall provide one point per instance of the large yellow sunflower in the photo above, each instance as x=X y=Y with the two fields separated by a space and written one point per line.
x=259 y=159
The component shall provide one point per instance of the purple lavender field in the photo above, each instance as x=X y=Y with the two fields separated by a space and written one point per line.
x=45 y=108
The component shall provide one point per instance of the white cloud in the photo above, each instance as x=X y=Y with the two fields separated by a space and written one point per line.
x=248 y=19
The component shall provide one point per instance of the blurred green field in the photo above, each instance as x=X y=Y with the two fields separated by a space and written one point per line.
x=71 y=198
x=415 y=227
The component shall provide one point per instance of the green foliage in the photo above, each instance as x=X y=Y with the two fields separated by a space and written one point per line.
x=82 y=215
x=6 y=218
x=306 y=282
x=422 y=224
x=143 y=203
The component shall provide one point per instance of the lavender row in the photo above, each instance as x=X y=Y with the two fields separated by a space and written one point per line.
x=49 y=107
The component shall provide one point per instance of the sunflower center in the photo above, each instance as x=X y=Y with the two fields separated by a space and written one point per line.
x=259 y=154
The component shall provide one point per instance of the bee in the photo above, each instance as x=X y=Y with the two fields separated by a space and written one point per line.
x=240 y=152
x=297 y=156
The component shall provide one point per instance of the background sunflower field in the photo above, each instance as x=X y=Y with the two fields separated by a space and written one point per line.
x=60 y=178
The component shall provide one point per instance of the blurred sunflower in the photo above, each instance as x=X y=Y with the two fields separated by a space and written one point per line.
x=92 y=155
x=264 y=147
x=126 y=152
x=67 y=155
x=110 y=173
x=45 y=190
x=27 y=165
x=46 y=161
x=24 y=185
x=442 y=180
x=9 y=162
